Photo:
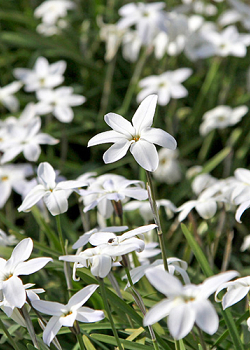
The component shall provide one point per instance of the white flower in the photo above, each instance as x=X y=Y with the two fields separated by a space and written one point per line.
x=55 y=195
x=51 y=10
x=239 y=13
x=236 y=290
x=58 y=102
x=65 y=315
x=6 y=240
x=108 y=188
x=6 y=96
x=139 y=137
x=241 y=191
x=11 y=285
x=12 y=176
x=148 y=19
x=109 y=248
x=166 y=85
x=42 y=76
x=26 y=139
x=220 y=117
x=185 y=305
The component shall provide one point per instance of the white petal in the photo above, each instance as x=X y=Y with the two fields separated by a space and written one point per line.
x=63 y=114
x=14 y=291
x=206 y=316
x=32 y=198
x=206 y=209
x=137 y=231
x=120 y=124
x=210 y=285
x=234 y=295
x=181 y=320
x=159 y=137
x=32 y=152
x=244 y=206
x=116 y=151
x=87 y=315
x=31 y=266
x=144 y=115
x=49 y=307
x=20 y=253
x=145 y=154
x=51 y=329
x=46 y=175
x=56 y=202
x=78 y=299
x=157 y=312
x=101 y=265
x=105 y=137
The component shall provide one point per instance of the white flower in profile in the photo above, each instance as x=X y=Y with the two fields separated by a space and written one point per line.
x=51 y=10
x=6 y=96
x=221 y=117
x=12 y=176
x=59 y=102
x=110 y=188
x=147 y=18
x=236 y=290
x=169 y=170
x=139 y=137
x=166 y=85
x=108 y=248
x=239 y=13
x=202 y=181
x=6 y=240
x=185 y=305
x=27 y=139
x=65 y=315
x=55 y=195
x=241 y=191
x=43 y=75
x=131 y=45
x=11 y=286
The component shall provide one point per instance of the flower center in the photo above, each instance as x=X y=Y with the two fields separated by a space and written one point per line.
x=67 y=314
x=4 y=178
x=8 y=276
x=136 y=138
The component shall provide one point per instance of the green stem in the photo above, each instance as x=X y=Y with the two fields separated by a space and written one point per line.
x=154 y=208
x=2 y=325
x=106 y=305
x=203 y=344
x=29 y=325
x=134 y=80
x=80 y=341
x=60 y=234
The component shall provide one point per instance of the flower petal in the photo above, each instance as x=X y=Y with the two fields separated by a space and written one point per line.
x=31 y=266
x=181 y=320
x=51 y=329
x=143 y=117
x=157 y=312
x=206 y=316
x=159 y=137
x=56 y=202
x=145 y=154
x=14 y=291
x=88 y=315
x=116 y=151
x=81 y=297
x=120 y=124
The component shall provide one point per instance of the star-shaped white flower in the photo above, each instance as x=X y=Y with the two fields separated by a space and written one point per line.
x=6 y=96
x=11 y=286
x=65 y=315
x=185 y=305
x=55 y=195
x=139 y=137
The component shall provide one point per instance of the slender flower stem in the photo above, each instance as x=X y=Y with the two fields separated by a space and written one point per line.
x=106 y=305
x=29 y=325
x=134 y=80
x=140 y=304
x=59 y=229
x=78 y=334
x=154 y=208
x=203 y=344
x=14 y=345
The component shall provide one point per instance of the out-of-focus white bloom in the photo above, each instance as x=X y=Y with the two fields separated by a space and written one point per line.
x=236 y=290
x=131 y=45
x=55 y=195
x=241 y=191
x=11 y=286
x=169 y=170
x=108 y=188
x=109 y=248
x=221 y=117
x=165 y=85
x=47 y=29
x=27 y=139
x=146 y=211
x=6 y=96
x=12 y=176
x=198 y=7
x=239 y=13
x=201 y=182
x=51 y=10
x=58 y=102
x=65 y=315
x=6 y=240
x=147 y=18
x=246 y=243
x=43 y=75
x=185 y=305
x=139 y=137
x=228 y=42
x=175 y=266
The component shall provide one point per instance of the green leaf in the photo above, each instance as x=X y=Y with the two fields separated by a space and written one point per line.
x=216 y=160
x=88 y=344
x=127 y=344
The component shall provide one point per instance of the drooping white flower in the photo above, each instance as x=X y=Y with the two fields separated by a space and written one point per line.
x=147 y=18
x=27 y=139
x=108 y=248
x=43 y=75
x=55 y=195
x=165 y=85
x=11 y=286
x=7 y=98
x=110 y=188
x=185 y=305
x=139 y=137
x=236 y=290
x=65 y=315
x=12 y=176
x=59 y=102
x=51 y=10
x=221 y=117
